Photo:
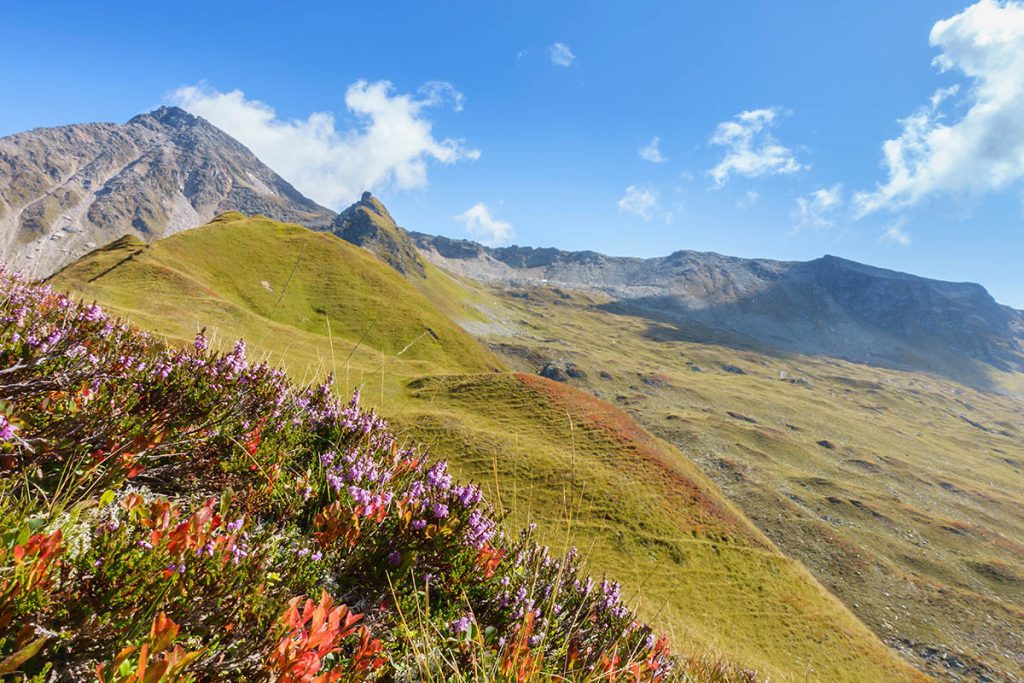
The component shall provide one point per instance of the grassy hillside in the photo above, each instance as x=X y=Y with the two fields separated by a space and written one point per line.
x=306 y=300
x=588 y=475
x=260 y=531
x=582 y=470
x=903 y=493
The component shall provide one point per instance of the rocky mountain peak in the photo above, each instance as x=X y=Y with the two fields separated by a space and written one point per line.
x=174 y=117
x=368 y=224
x=67 y=190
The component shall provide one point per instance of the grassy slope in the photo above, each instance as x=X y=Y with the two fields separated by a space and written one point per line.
x=915 y=516
x=342 y=309
x=587 y=474
x=635 y=506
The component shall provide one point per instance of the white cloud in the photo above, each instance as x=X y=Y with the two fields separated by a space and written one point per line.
x=818 y=210
x=982 y=151
x=437 y=93
x=748 y=200
x=560 y=54
x=652 y=151
x=640 y=201
x=895 y=234
x=482 y=226
x=390 y=146
x=751 y=150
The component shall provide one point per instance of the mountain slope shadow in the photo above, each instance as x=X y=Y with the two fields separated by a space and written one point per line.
x=828 y=308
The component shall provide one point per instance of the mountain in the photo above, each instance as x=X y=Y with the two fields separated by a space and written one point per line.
x=829 y=306
x=64 y=191
x=368 y=224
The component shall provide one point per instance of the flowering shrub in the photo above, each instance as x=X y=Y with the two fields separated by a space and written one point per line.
x=199 y=498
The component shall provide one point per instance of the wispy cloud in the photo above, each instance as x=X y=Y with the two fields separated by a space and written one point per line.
x=640 y=201
x=652 y=151
x=896 y=234
x=981 y=151
x=751 y=150
x=818 y=210
x=485 y=228
x=748 y=200
x=390 y=147
x=561 y=55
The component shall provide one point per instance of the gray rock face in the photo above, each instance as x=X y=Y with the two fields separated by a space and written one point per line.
x=368 y=224
x=828 y=306
x=67 y=190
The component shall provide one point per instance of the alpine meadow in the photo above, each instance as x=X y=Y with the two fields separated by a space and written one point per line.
x=452 y=378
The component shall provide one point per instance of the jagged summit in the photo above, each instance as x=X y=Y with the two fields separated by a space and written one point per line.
x=368 y=224
x=67 y=190
x=175 y=117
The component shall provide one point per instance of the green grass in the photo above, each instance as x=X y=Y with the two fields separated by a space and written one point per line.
x=915 y=517
x=584 y=471
x=586 y=474
x=341 y=310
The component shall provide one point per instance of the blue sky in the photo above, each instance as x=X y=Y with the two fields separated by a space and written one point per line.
x=533 y=122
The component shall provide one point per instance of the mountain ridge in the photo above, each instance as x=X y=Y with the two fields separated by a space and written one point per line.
x=827 y=306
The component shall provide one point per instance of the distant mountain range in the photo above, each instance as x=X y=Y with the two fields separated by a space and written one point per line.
x=65 y=191
x=828 y=306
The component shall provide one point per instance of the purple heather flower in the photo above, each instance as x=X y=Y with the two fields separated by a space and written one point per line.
x=94 y=314
x=200 y=343
x=438 y=477
x=6 y=429
x=468 y=495
x=394 y=558
x=440 y=510
x=359 y=495
x=461 y=625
